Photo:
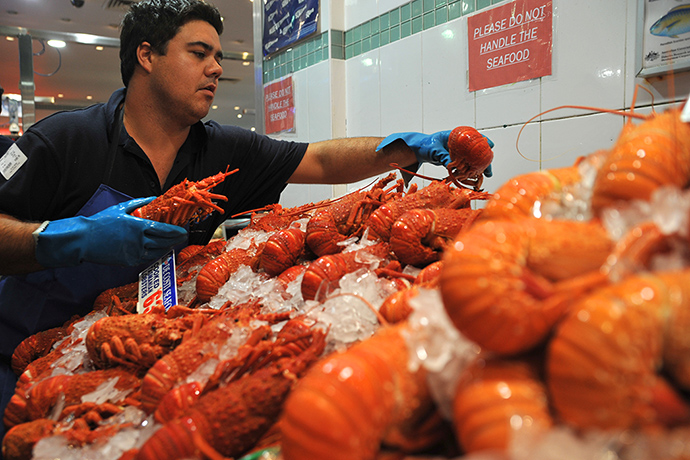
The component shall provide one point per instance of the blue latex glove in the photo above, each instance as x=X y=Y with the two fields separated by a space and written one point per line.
x=429 y=148
x=111 y=237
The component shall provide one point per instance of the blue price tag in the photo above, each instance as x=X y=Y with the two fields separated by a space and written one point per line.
x=157 y=285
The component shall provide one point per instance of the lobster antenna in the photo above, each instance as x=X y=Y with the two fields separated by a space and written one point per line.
x=578 y=107
x=415 y=174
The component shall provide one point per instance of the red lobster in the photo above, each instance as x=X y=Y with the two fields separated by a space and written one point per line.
x=345 y=217
x=282 y=250
x=138 y=341
x=420 y=236
x=470 y=155
x=228 y=420
x=68 y=390
x=185 y=202
x=39 y=345
x=328 y=269
x=169 y=371
x=349 y=403
x=438 y=194
x=218 y=271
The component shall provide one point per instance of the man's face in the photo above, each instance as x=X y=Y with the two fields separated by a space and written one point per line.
x=186 y=77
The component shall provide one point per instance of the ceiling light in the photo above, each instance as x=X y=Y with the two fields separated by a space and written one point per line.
x=61 y=95
x=239 y=115
x=214 y=107
x=56 y=43
x=246 y=63
x=237 y=107
x=89 y=97
x=99 y=48
x=9 y=39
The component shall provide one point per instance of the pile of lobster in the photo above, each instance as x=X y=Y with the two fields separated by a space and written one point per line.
x=440 y=322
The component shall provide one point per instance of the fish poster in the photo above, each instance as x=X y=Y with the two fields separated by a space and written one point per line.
x=666 y=36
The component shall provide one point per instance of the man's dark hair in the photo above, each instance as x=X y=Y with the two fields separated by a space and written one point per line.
x=157 y=22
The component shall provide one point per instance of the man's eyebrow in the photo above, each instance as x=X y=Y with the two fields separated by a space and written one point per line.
x=207 y=47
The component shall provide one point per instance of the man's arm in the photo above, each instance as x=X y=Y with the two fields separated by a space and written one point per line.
x=17 y=246
x=110 y=237
x=342 y=161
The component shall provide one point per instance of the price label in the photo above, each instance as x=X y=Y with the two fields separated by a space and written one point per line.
x=157 y=285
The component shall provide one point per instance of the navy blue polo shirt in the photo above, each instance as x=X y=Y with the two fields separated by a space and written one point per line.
x=67 y=158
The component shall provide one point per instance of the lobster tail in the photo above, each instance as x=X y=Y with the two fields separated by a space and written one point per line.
x=282 y=250
x=177 y=439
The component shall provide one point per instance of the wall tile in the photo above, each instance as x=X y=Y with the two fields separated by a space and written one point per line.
x=401 y=96
x=447 y=102
x=507 y=161
x=358 y=11
x=507 y=105
x=580 y=76
x=319 y=99
x=563 y=140
x=363 y=106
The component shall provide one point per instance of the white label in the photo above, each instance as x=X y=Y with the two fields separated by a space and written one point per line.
x=157 y=285
x=685 y=114
x=11 y=161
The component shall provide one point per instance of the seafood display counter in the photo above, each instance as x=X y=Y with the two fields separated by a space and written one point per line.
x=549 y=319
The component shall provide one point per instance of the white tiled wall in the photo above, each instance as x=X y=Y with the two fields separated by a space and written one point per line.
x=419 y=83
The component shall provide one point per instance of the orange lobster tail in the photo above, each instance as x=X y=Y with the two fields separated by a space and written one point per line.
x=505 y=284
x=282 y=250
x=645 y=157
x=496 y=400
x=356 y=399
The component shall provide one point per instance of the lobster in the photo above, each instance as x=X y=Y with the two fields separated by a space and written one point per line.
x=497 y=399
x=344 y=218
x=185 y=202
x=65 y=357
x=282 y=250
x=357 y=400
x=516 y=198
x=645 y=157
x=229 y=419
x=207 y=345
x=420 y=236
x=68 y=390
x=138 y=341
x=324 y=271
x=120 y=300
x=621 y=358
x=217 y=272
x=88 y=423
x=438 y=194
x=39 y=345
x=470 y=155
x=397 y=306
x=19 y=440
x=505 y=284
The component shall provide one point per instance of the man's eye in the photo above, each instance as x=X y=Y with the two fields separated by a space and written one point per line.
x=200 y=54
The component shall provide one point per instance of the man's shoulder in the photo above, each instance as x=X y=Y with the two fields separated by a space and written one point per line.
x=82 y=121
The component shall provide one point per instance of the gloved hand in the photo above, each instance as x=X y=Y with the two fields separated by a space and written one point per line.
x=111 y=237
x=429 y=148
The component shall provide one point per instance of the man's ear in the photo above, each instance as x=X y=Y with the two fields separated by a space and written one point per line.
x=145 y=55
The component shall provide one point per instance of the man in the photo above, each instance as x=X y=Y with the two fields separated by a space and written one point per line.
x=66 y=233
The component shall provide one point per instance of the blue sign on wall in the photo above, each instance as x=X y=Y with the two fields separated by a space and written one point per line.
x=286 y=21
